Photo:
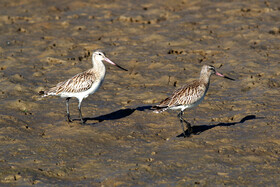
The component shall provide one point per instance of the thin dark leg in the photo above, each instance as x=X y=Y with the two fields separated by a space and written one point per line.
x=189 y=127
x=67 y=109
x=80 y=111
x=182 y=124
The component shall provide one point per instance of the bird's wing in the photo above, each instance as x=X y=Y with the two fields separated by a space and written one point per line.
x=79 y=83
x=187 y=94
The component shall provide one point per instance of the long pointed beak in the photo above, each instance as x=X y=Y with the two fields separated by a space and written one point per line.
x=111 y=62
x=226 y=77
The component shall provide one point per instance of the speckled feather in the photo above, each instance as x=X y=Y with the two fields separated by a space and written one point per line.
x=79 y=83
x=185 y=95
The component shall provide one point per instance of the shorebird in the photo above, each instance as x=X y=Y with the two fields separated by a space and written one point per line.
x=189 y=95
x=82 y=84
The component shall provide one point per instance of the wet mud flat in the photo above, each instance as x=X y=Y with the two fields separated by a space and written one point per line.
x=236 y=133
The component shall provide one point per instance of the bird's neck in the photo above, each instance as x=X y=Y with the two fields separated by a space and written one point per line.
x=98 y=66
x=204 y=79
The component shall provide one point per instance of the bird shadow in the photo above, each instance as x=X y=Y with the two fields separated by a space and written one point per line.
x=117 y=114
x=199 y=129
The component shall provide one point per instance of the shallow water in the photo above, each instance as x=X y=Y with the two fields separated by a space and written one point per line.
x=163 y=44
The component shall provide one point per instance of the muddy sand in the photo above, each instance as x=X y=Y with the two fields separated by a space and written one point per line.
x=236 y=138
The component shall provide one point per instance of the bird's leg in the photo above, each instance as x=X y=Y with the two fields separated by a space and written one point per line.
x=67 y=109
x=181 y=120
x=188 y=125
x=79 y=107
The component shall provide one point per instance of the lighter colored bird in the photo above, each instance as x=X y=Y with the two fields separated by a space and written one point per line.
x=189 y=95
x=83 y=84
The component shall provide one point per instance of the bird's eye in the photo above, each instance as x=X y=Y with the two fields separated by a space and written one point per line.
x=99 y=54
x=212 y=68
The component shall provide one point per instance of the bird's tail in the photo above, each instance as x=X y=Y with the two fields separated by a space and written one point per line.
x=43 y=93
x=46 y=93
x=159 y=109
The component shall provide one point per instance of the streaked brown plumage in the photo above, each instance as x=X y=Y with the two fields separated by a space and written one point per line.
x=185 y=95
x=78 y=83
x=189 y=95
